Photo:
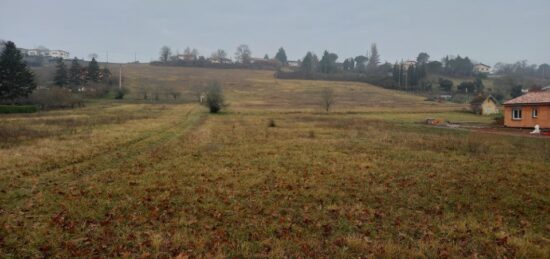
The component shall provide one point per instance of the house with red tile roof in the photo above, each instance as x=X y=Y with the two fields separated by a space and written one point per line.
x=528 y=110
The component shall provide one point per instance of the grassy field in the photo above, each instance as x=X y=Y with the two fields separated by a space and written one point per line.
x=153 y=179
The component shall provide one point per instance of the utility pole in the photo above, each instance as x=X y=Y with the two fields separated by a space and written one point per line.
x=120 y=77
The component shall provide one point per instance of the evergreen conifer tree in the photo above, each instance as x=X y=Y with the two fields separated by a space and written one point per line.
x=16 y=80
x=93 y=71
x=75 y=73
x=61 y=78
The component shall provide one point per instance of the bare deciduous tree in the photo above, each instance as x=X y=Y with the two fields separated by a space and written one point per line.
x=173 y=92
x=93 y=56
x=243 y=54
x=219 y=54
x=327 y=98
x=165 y=53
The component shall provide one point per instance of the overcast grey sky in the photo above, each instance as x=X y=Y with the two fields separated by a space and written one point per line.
x=487 y=31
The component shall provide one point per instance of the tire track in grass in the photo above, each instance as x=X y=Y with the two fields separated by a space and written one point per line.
x=115 y=159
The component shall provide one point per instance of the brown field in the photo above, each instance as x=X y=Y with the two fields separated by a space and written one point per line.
x=141 y=178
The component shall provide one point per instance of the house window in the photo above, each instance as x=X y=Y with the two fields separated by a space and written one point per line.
x=535 y=113
x=516 y=114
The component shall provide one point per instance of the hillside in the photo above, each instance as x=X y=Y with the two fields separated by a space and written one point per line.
x=259 y=89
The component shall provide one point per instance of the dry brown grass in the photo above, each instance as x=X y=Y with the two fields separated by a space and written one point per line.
x=153 y=180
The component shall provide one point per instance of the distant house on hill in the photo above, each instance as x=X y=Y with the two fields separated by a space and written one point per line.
x=58 y=54
x=528 y=110
x=482 y=69
x=293 y=63
x=484 y=105
x=220 y=61
x=185 y=57
x=45 y=53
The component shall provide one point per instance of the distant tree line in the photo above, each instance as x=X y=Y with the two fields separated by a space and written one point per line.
x=219 y=59
x=362 y=68
x=523 y=69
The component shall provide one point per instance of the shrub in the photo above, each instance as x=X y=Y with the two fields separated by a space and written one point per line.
x=55 y=97
x=120 y=93
x=18 y=109
x=95 y=90
x=445 y=84
x=214 y=97
x=271 y=123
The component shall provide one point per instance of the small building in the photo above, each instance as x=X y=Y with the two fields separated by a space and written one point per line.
x=45 y=53
x=186 y=57
x=58 y=54
x=484 y=105
x=292 y=63
x=528 y=110
x=482 y=69
x=220 y=61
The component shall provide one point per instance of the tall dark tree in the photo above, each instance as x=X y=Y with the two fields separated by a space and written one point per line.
x=243 y=54
x=328 y=63
x=412 y=76
x=106 y=75
x=93 y=71
x=361 y=63
x=516 y=91
x=61 y=77
x=165 y=53
x=434 y=67
x=16 y=80
x=422 y=58
x=75 y=74
x=421 y=71
x=309 y=64
x=374 y=59
x=457 y=66
x=478 y=83
x=281 y=56
x=396 y=74
x=349 y=64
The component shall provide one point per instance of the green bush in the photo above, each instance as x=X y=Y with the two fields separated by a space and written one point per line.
x=18 y=108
